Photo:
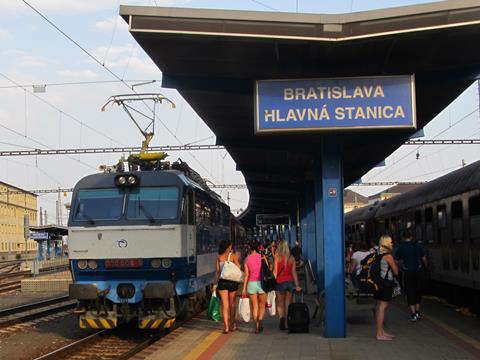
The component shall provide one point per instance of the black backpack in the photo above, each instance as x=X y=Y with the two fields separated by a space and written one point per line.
x=370 y=280
x=268 y=280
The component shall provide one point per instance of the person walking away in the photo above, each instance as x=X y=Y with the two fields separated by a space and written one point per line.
x=227 y=289
x=297 y=253
x=284 y=270
x=388 y=269
x=360 y=253
x=412 y=258
x=253 y=286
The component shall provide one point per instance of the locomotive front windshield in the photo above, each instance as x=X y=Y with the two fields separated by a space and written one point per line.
x=152 y=203
x=101 y=204
x=132 y=204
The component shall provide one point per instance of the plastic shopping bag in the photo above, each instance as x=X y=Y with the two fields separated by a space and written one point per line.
x=244 y=309
x=271 y=307
x=397 y=290
x=214 y=308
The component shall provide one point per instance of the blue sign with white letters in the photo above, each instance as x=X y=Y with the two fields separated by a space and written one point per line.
x=335 y=104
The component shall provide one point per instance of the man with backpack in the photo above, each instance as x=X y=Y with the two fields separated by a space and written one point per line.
x=412 y=258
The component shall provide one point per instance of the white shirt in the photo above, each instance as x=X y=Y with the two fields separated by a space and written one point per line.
x=358 y=256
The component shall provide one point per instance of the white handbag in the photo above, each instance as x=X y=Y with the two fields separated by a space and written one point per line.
x=231 y=271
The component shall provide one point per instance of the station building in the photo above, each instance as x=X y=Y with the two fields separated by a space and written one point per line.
x=15 y=203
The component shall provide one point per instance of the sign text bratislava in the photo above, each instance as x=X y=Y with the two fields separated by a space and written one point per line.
x=335 y=104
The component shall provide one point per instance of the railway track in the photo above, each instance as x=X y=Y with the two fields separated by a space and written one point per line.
x=10 y=286
x=24 y=313
x=119 y=344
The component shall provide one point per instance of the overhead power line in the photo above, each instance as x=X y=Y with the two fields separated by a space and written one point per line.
x=131 y=88
x=108 y=150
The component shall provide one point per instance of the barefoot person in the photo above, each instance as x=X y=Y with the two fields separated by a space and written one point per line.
x=388 y=269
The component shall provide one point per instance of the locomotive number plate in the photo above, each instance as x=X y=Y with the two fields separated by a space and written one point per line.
x=123 y=263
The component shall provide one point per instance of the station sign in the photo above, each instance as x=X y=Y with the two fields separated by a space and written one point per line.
x=272 y=219
x=310 y=105
x=39 y=235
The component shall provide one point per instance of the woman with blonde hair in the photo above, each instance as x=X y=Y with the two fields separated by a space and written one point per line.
x=284 y=270
x=388 y=269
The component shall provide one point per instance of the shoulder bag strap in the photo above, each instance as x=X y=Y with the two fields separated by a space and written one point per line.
x=228 y=258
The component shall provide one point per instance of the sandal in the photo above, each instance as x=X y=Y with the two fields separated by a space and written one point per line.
x=234 y=327
x=225 y=332
x=384 y=338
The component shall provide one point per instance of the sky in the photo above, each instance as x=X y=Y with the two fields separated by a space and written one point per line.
x=67 y=114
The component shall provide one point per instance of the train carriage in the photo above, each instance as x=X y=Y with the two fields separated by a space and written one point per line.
x=444 y=215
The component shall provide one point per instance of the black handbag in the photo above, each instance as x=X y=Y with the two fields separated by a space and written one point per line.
x=267 y=279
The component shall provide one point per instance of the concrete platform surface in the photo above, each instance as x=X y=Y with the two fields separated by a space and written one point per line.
x=431 y=338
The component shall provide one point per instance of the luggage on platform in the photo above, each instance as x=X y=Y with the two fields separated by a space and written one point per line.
x=298 y=315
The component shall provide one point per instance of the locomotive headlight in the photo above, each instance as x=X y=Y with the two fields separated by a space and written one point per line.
x=132 y=180
x=121 y=180
x=82 y=264
x=166 y=263
x=92 y=264
x=156 y=263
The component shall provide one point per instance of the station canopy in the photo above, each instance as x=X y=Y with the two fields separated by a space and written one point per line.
x=214 y=57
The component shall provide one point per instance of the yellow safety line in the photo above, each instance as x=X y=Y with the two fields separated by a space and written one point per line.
x=200 y=348
x=469 y=340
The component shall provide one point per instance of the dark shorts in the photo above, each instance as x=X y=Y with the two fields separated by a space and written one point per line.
x=285 y=286
x=227 y=285
x=384 y=294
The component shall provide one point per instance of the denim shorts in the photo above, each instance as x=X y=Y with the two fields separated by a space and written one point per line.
x=255 y=287
x=285 y=286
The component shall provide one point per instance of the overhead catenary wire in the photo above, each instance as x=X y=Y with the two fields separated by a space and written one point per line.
x=112 y=73
x=55 y=107
x=72 y=83
x=416 y=149
x=40 y=143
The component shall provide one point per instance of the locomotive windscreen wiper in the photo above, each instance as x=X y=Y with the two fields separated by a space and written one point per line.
x=89 y=218
x=147 y=213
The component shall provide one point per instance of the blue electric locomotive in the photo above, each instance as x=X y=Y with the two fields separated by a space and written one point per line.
x=143 y=245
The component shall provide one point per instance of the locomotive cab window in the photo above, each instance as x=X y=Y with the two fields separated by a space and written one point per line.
x=152 y=203
x=99 y=204
x=474 y=218
x=457 y=221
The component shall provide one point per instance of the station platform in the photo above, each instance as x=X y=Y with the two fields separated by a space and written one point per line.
x=48 y=283
x=443 y=333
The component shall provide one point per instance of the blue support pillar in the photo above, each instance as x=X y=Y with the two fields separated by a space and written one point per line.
x=319 y=228
x=293 y=228
x=56 y=249
x=48 y=249
x=310 y=243
x=333 y=234
x=40 y=250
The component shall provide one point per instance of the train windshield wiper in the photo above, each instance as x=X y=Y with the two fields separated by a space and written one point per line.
x=88 y=217
x=147 y=213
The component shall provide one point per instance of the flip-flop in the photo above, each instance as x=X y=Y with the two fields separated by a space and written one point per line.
x=384 y=338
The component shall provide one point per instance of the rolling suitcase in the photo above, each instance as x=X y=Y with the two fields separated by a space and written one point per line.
x=298 y=316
